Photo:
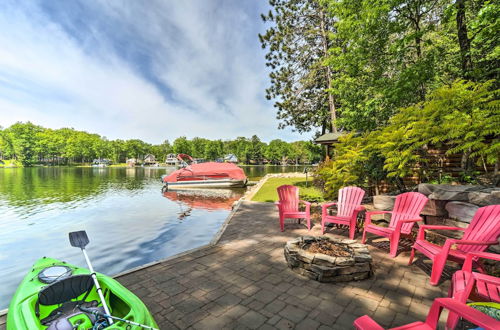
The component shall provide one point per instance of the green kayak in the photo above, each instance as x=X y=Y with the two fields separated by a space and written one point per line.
x=55 y=295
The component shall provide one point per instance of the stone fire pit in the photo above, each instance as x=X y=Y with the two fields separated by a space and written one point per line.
x=353 y=264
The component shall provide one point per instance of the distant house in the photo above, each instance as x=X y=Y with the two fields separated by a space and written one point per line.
x=230 y=158
x=150 y=159
x=131 y=162
x=171 y=159
x=101 y=162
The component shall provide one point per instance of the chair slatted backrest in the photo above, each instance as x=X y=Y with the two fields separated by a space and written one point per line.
x=289 y=198
x=407 y=206
x=485 y=226
x=349 y=199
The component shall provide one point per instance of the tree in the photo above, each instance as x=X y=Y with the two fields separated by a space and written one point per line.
x=198 y=146
x=277 y=151
x=298 y=43
x=182 y=145
x=20 y=140
x=387 y=56
x=214 y=149
x=256 y=149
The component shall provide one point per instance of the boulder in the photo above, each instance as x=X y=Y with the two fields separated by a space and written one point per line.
x=447 y=192
x=485 y=197
x=384 y=202
x=435 y=208
x=461 y=211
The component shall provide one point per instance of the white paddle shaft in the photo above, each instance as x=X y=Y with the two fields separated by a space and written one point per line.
x=98 y=287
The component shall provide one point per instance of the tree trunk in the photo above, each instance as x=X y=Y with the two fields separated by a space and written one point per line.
x=331 y=99
x=463 y=40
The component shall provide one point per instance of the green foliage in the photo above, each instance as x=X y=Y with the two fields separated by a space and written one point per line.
x=355 y=163
x=182 y=145
x=464 y=117
x=277 y=151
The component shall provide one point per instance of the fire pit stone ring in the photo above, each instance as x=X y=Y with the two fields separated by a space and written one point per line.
x=343 y=259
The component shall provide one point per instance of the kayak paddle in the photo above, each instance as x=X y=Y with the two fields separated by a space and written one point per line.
x=80 y=239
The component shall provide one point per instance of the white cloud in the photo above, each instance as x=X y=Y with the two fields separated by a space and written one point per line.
x=204 y=74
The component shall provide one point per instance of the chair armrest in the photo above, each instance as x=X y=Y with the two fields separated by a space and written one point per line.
x=400 y=223
x=308 y=205
x=421 y=230
x=368 y=215
x=366 y=323
x=411 y=220
x=450 y=241
x=476 y=255
x=327 y=205
x=360 y=208
x=377 y=212
x=478 y=318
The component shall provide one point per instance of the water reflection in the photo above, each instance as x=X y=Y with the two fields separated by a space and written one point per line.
x=206 y=199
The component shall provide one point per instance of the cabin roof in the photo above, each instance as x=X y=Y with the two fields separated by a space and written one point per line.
x=329 y=138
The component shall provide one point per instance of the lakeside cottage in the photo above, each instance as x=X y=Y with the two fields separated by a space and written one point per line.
x=150 y=160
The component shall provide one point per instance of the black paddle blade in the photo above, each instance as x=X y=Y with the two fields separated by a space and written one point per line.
x=78 y=239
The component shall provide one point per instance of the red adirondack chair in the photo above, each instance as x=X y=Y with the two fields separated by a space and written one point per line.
x=288 y=206
x=466 y=284
x=483 y=231
x=431 y=322
x=348 y=207
x=406 y=212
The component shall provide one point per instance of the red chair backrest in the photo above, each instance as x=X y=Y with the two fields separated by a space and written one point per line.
x=349 y=199
x=485 y=226
x=407 y=206
x=289 y=198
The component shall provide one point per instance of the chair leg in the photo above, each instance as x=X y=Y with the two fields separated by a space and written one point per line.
x=322 y=226
x=437 y=269
x=352 y=231
x=363 y=239
x=282 y=223
x=393 y=244
x=412 y=255
x=308 y=222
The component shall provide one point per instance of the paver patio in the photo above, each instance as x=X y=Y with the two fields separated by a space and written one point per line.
x=243 y=282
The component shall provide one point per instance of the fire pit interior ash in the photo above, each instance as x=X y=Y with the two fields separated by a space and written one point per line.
x=327 y=259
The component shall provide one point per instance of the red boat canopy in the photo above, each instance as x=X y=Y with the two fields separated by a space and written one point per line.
x=209 y=171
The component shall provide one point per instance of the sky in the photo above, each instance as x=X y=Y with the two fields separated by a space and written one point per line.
x=152 y=70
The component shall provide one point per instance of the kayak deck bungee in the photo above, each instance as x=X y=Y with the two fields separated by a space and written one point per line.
x=50 y=294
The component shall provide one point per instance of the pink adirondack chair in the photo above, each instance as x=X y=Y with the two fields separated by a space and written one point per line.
x=288 y=206
x=348 y=207
x=483 y=231
x=406 y=212
x=466 y=284
x=431 y=322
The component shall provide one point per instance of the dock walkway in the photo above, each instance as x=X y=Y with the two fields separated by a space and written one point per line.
x=243 y=282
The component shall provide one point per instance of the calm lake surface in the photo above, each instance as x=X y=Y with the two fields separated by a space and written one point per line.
x=130 y=222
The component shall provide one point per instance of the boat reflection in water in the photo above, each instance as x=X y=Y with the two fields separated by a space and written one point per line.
x=206 y=199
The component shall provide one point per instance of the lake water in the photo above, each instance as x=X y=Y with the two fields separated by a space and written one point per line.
x=129 y=221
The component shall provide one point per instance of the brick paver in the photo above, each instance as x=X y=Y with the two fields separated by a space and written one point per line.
x=243 y=282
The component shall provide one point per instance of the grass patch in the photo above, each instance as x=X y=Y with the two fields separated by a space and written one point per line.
x=268 y=193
